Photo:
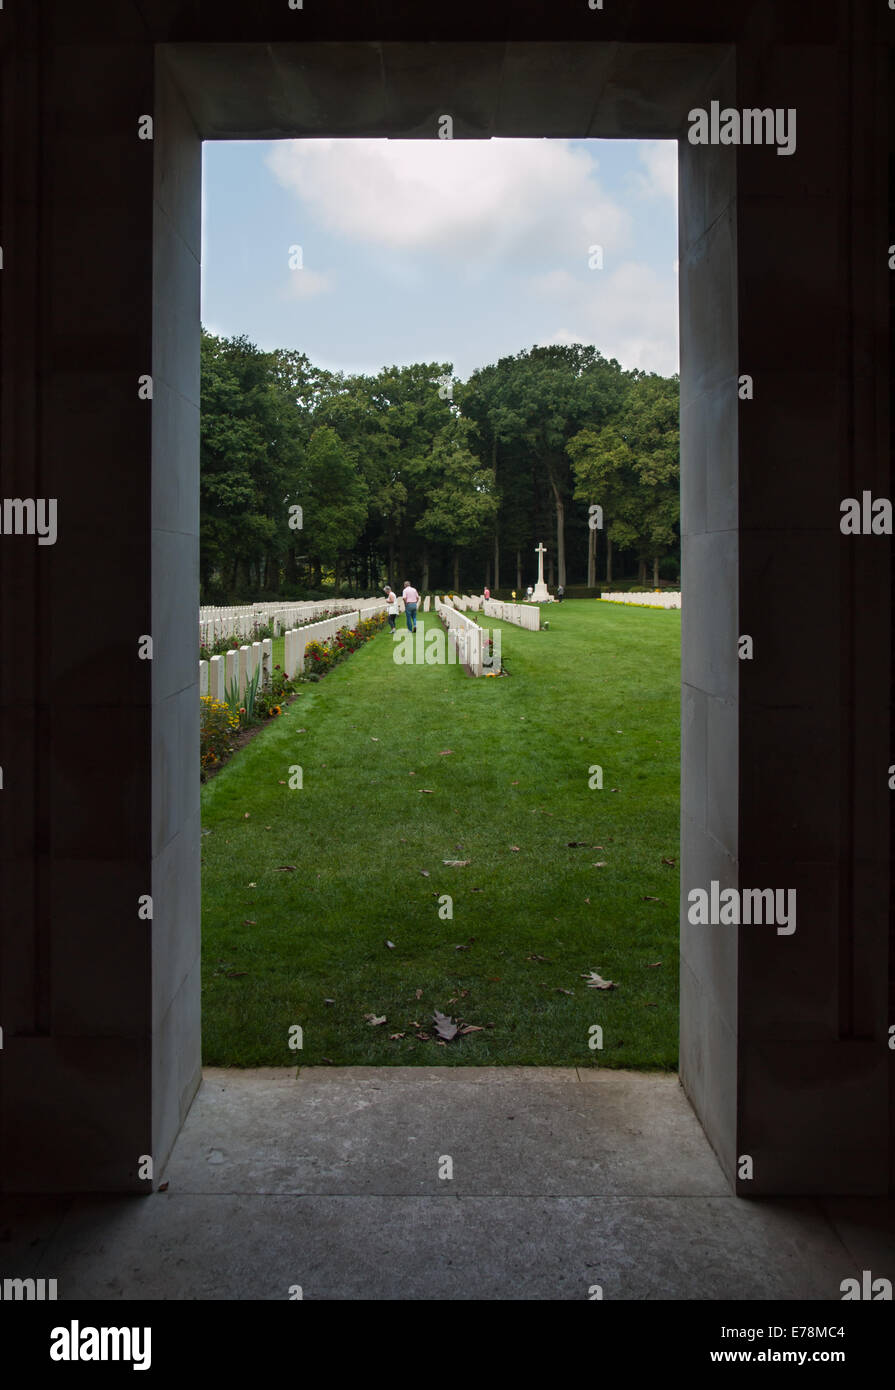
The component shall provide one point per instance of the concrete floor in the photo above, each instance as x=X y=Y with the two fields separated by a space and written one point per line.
x=329 y=1179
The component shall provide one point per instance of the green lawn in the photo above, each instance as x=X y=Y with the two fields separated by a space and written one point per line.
x=600 y=687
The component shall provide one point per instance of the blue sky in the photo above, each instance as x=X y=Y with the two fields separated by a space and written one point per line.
x=459 y=251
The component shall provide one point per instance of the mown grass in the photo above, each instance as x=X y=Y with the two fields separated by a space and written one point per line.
x=383 y=800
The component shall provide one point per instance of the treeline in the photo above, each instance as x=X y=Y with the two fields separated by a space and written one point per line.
x=313 y=481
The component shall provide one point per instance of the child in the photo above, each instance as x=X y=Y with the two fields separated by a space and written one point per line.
x=391 y=599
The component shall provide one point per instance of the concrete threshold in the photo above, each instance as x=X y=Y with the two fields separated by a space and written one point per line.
x=444 y=1183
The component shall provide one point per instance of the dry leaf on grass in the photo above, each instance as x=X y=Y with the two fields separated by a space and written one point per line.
x=577 y=844
x=514 y=849
x=648 y=899
x=427 y=791
x=595 y=981
x=390 y=945
x=472 y=1028
x=456 y=863
x=393 y=1037
x=444 y=1026
x=534 y=956
x=374 y=1020
x=423 y=1037
x=419 y=994
x=285 y=869
x=329 y=1001
x=669 y=861
x=600 y=864
x=565 y=991
x=444 y=752
x=425 y=873
x=249 y=922
x=653 y=963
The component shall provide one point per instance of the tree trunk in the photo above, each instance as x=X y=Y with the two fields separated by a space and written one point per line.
x=488 y=574
x=338 y=575
x=641 y=571
x=608 y=559
x=591 y=559
x=550 y=575
x=655 y=571
x=560 y=536
x=496 y=562
x=456 y=571
x=518 y=571
x=425 y=588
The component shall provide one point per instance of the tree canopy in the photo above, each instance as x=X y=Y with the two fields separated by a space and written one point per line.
x=412 y=473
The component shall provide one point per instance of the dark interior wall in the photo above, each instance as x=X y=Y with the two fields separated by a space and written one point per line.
x=783 y=275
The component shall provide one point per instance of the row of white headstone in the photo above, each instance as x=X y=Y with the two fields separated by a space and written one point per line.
x=297 y=640
x=240 y=620
x=236 y=668
x=662 y=599
x=521 y=614
x=465 y=635
x=218 y=676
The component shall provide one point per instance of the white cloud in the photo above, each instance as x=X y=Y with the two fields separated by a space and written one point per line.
x=472 y=200
x=658 y=178
x=629 y=313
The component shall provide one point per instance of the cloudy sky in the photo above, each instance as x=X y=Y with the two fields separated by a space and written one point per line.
x=442 y=251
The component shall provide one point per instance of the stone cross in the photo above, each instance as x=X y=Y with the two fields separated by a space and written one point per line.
x=541 y=593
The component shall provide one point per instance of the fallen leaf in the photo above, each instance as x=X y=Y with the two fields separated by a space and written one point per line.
x=423 y=1037
x=427 y=791
x=462 y=948
x=419 y=994
x=248 y=922
x=648 y=899
x=282 y=781
x=600 y=864
x=394 y=1036
x=595 y=981
x=669 y=861
x=390 y=945
x=578 y=844
x=329 y=1060
x=445 y=1026
x=515 y=849
x=653 y=963
x=652 y=1006
x=472 y=1028
x=456 y=863
x=247 y=814
x=587 y=900
x=287 y=869
x=253 y=885
x=565 y=991
x=373 y=740
x=495 y=980
x=268 y=827
x=444 y=752
x=329 y=1001
x=514 y=784
x=374 y=1020
x=535 y=956
x=598 y=846
x=425 y=873
x=163 y=1187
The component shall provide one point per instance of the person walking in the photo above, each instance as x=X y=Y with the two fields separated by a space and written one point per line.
x=487 y=592
x=559 y=593
x=391 y=599
x=411 y=599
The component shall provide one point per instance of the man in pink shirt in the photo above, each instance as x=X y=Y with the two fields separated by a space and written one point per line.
x=411 y=599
